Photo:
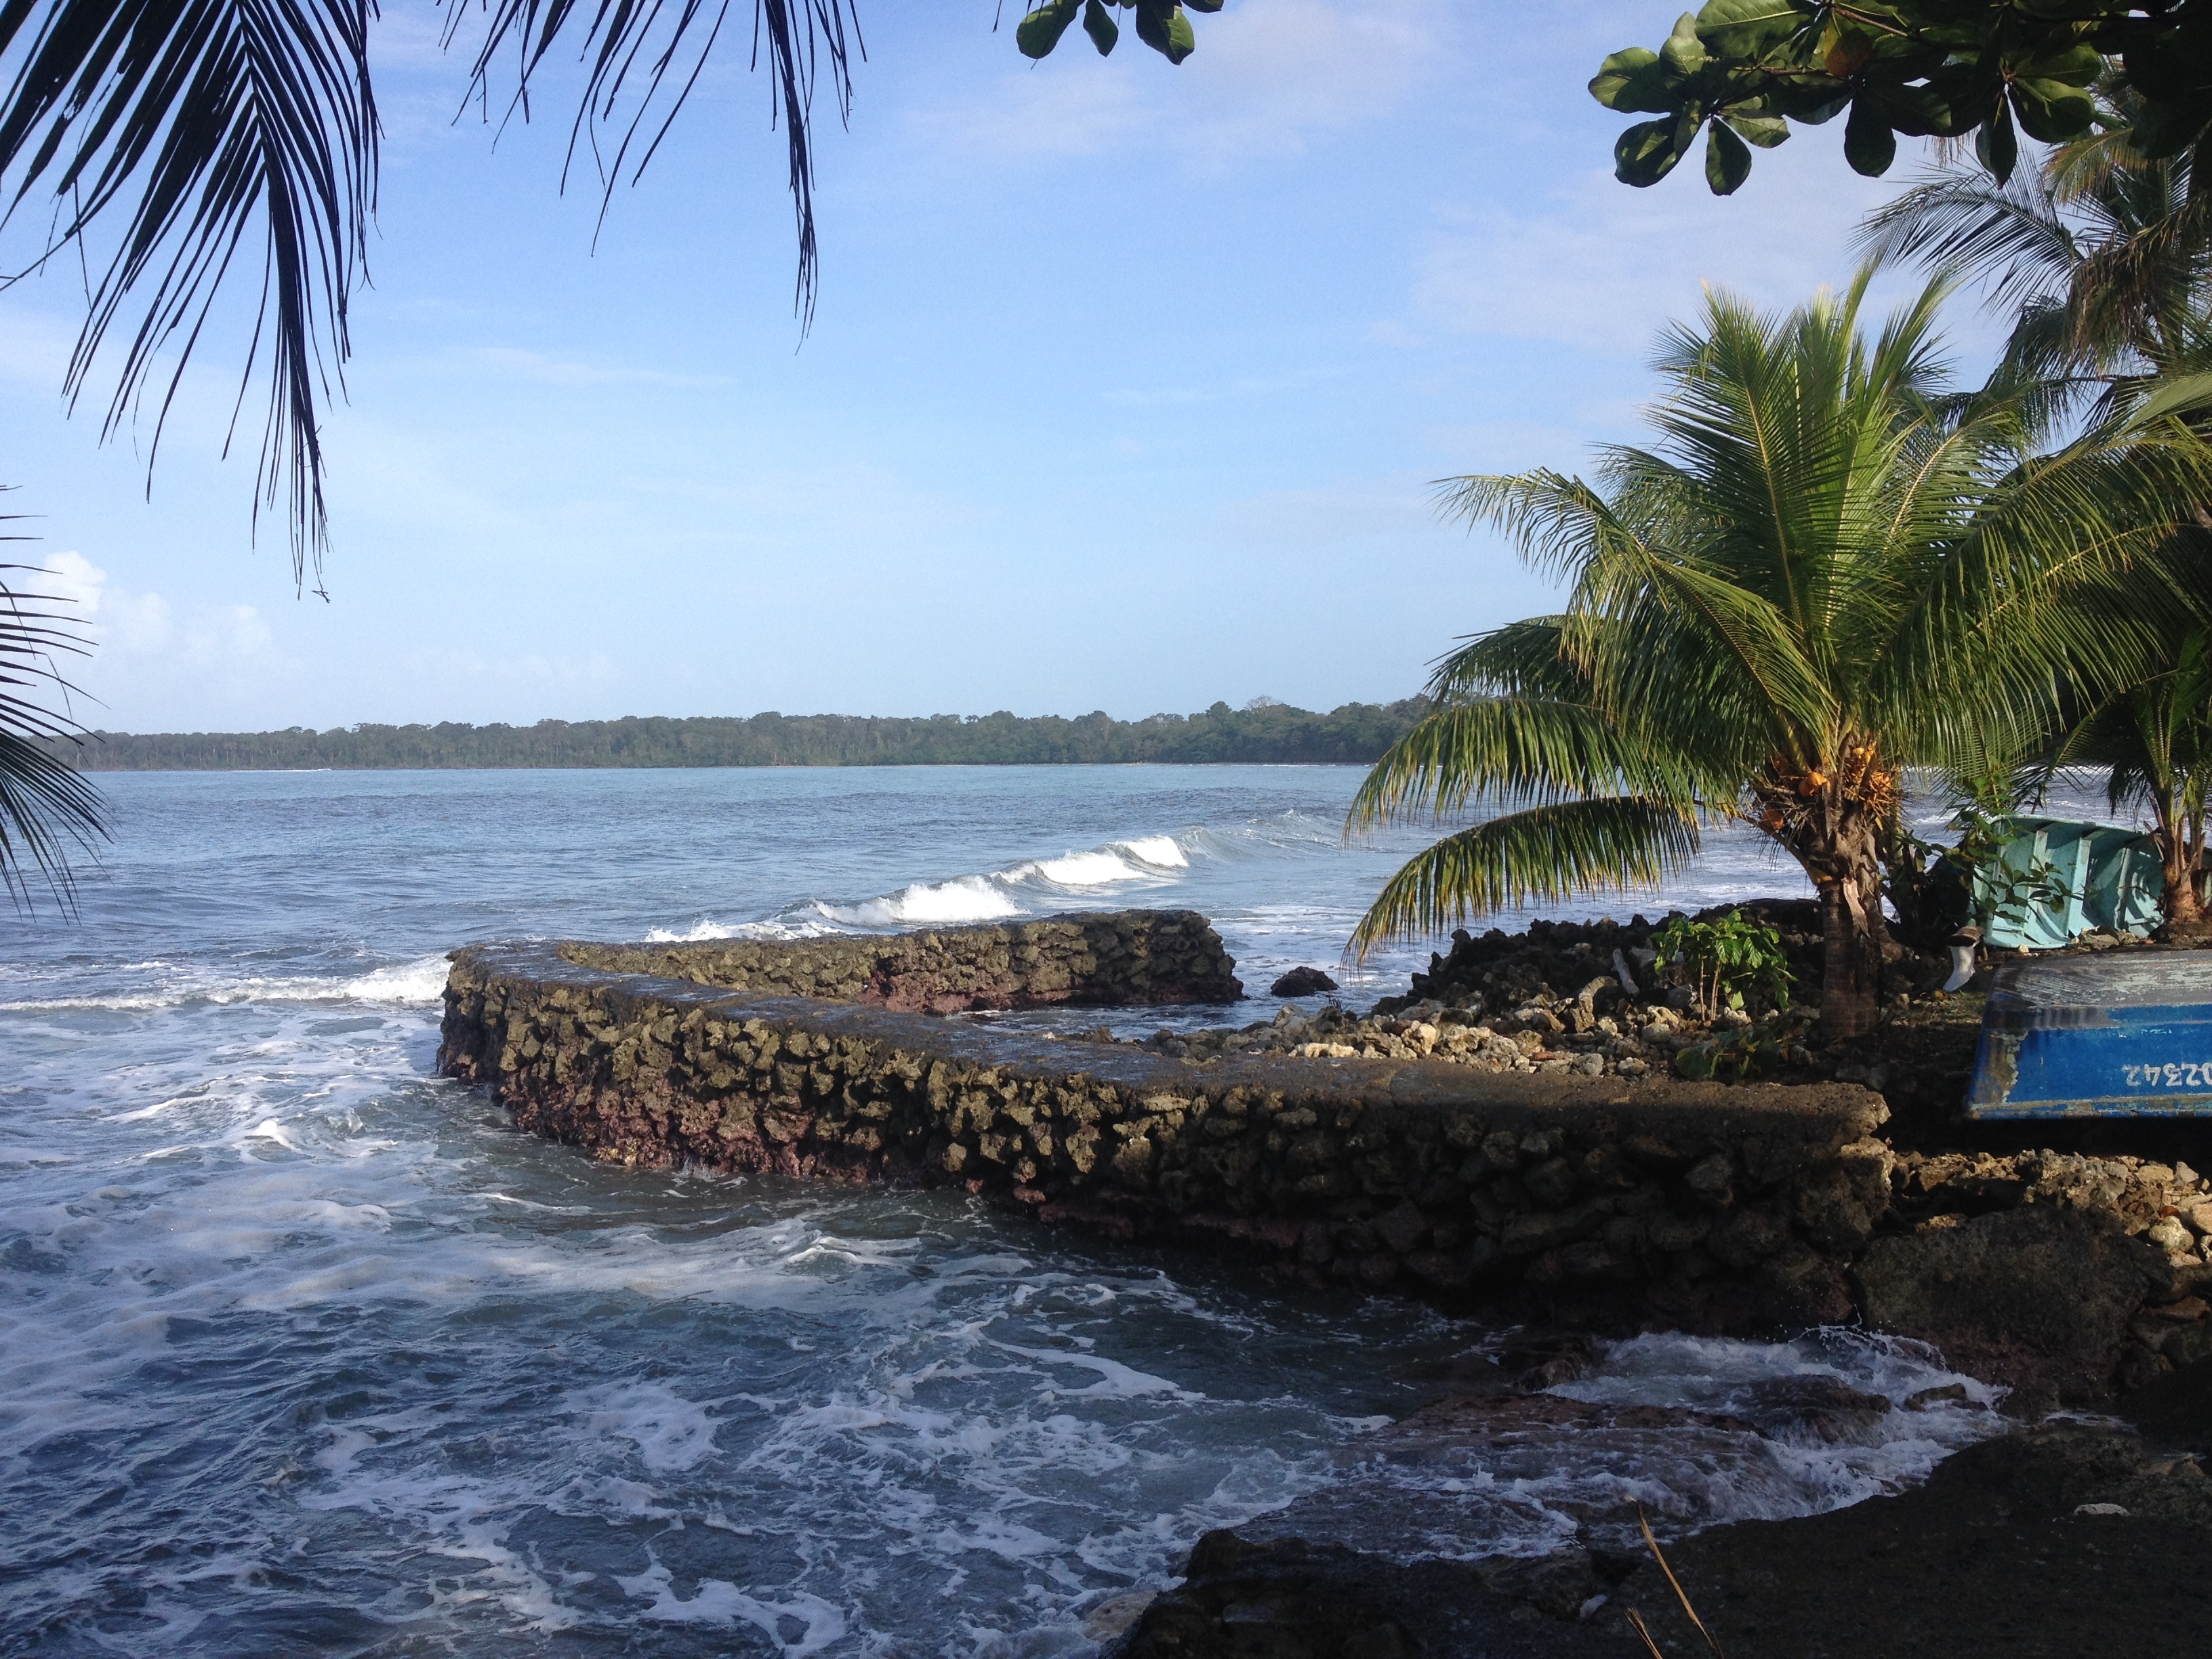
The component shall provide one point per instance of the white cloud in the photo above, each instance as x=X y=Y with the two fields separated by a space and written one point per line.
x=150 y=655
x=1603 y=266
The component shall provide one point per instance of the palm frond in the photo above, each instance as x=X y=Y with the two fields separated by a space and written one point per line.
x=191 y=138
x=47 y=810
x=648 y=55
x=2011 y=238
x=208 y=126
x=1514 y=751
x=1543 y=855
x=1525 y=657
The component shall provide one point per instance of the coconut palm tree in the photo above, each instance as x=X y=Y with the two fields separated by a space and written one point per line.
x=1826 y=570
x=2102 y=256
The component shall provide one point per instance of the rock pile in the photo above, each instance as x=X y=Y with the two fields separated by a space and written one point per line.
x=1500 y=971
x=1097 y=958
x=2136 y=1269
x=1595 y=1032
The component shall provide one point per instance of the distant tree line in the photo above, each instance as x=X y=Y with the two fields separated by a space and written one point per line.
x=1263 y=731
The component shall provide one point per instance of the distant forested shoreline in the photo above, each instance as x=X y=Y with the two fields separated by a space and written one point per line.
x=1261 y=732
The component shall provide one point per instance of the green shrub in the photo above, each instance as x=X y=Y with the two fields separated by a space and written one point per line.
x=1724 y=959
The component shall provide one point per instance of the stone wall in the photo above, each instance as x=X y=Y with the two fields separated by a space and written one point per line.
x=1106 y=959
x=1702 y=1206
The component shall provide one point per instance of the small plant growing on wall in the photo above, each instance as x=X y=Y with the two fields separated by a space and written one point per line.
x=1726 y=960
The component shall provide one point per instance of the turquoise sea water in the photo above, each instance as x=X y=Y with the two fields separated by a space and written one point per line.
x=303 y=1350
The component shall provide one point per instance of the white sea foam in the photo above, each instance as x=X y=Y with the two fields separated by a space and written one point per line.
x=706 y=929
x=1024 y=888
x=420 y=982
x=670 y=1431
x=930 y=904
x=717 y=1602
x=1754 y=1451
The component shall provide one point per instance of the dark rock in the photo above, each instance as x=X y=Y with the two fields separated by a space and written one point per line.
x=1302 y=983
x=1810 y=1408
x=1402 y=1228
x=2176 y=1409
x=2040 y=1291
x=1290 y=1599
x=1712 y=1179
x=1991 y=1559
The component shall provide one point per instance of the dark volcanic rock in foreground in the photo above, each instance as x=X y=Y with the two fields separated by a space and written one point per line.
x=2062 y=1541
x=2041 y=1288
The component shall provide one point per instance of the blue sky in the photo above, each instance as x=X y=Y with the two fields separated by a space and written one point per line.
x=1126 y=391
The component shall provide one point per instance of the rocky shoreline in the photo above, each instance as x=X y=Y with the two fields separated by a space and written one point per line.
x=2055 y=1539
x=1515 y=1135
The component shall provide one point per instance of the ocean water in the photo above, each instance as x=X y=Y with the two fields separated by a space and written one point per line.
x=304 y=1350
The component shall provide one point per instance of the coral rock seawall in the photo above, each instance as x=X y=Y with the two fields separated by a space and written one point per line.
x=1707 y=1206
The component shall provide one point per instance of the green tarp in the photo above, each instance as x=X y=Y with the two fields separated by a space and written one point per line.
x=2112 y=877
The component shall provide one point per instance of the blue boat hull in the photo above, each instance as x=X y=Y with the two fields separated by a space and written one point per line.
x=2127 y=1035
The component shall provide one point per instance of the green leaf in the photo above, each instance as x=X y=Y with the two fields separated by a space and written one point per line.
x=2164 y=130
x=1630 y=82
x=1695 y=1063
x=1810 y=101
x=1204 y=5
x=1921 y=111
x=1098 y=23
x=1868 y=144
x=1648 y=151
x=1684 y=54
x=2051 y=111
x=1162 y=26
x=1765 y=131
x=1728 y=159
x=1746 y=28
x=1036 y=34
x=1995 y=145
x=2076 y=66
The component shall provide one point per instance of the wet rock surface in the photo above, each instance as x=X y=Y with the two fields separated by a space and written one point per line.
x=2061 y=1275
x=1119 y=959
x=2062 y=1540
x=1302 y=983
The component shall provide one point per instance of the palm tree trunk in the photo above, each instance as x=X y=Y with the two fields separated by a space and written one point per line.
x=1839 y=841
x=1852 y=934
x=2184 y=908
x=2177 y=850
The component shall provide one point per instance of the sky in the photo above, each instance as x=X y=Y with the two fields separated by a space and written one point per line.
x=1128 y=387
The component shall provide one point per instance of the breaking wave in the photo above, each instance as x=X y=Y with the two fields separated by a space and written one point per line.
x=1030 y=888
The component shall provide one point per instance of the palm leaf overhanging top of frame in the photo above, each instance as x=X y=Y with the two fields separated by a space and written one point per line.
x=206 y=129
